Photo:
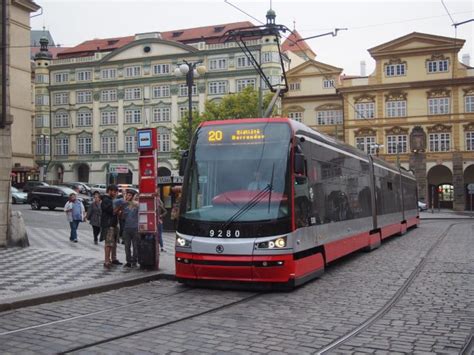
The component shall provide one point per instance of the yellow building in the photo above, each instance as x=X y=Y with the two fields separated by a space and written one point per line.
x=418 y=104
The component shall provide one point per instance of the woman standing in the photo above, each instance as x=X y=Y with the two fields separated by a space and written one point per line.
x=93 y=216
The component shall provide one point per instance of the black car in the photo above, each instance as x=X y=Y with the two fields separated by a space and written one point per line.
x=53 y=197
x=31 y=185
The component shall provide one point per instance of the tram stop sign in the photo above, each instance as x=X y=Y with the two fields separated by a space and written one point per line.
x=470 y=189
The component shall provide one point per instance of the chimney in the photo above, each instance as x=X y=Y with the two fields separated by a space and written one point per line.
x=362 y=68
x=466 y=59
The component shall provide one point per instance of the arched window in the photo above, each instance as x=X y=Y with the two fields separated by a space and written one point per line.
x=130 y=141
x=164 y=139
x=108 y=142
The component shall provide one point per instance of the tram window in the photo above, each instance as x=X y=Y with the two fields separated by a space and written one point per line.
x=389 y=185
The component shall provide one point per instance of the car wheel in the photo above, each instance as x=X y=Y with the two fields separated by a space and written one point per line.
x=35 y=205
x=14 y=200
x=51 y=208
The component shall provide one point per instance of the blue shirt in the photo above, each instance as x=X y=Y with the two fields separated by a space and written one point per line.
x=77 y=211
x=131 y=217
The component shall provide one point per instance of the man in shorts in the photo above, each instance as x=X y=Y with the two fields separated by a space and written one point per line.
x=109 y=229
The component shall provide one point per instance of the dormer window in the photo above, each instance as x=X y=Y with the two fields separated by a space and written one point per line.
x=438 y=63
x=177 y=34
x=218 y=29
x=111 y=42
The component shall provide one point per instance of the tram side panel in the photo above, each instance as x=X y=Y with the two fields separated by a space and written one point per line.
x=410 y=201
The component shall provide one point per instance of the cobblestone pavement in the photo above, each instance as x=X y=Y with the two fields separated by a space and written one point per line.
x=52 y=263
x=435 y=315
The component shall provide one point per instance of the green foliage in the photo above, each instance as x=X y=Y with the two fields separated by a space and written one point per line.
x=233 y=106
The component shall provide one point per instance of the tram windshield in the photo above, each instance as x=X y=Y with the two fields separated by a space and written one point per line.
x=239 y=172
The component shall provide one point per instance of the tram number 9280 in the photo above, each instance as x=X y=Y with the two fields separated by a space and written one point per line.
x=224 y=233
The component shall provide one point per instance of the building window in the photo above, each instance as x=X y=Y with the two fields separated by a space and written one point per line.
x=366 y=144
x=161 y=114
x=469 y=103
x=108 y=95
x=396 y=108
x=41 y=79
x=108 y=144
x=395 y=69
x=183 y=90
x=84 y=97
x=365 y=110
x=438 y=106
x=217 y=87
x=328 y=83
x=438 y=66
x=271 y=57
x=218 y=64
x=295 y=86
x=61 y=120
x=130 y=143
x=243 y=83
x=297 y=116
x=133 y=71
x=440 y=142
x=329 y=117
x=42 y=100
x=84 y=75
x=164 y=141
x=183 y=111
x=61 y=146
x=84 y=118
x=133 y=115
x=470 y=141
x=243 y=62
x=61 y=78
x=42 y=146
x=41 y=121
x=397 y=143
x=108 y=117
x=84 y=145
x=61 y=98
x=161 y=69
x=108 y=73
x=161 y=91
x=133 y=93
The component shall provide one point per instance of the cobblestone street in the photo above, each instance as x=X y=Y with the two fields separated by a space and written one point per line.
x=433 y=315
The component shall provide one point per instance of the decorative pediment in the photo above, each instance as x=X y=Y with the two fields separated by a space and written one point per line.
x=468 y=91
x=108 y=132
x=328 y=107
x=395 y=60
x=438 y=93
x=365 y=132
x=439 y=128
x=437 y=56
x=469 y=127
x=364 y=98
x=294 y=108
x=313 y=67
x=396 y=131
x=84 y=134
x=84 y=109
x=396 y=96
x=108 y=108
x=132 y=106
x=130 y=131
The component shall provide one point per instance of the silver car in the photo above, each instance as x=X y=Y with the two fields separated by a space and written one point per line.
x=18 y=196
x=100 y=188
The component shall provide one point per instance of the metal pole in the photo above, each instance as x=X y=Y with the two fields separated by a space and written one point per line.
x=432 y=199
x=470 y=194
x=3 y=118
x=189 y=82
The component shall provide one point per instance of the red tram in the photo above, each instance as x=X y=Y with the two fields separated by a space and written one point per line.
x=273 y=201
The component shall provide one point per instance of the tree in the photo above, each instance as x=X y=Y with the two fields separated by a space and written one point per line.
x=233 y=106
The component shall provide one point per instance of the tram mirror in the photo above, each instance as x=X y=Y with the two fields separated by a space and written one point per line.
x=183 y=162
x=299 y=163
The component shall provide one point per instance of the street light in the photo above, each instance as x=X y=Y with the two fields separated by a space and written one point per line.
x=43 y=167
x=191 y=70
x=377 y=147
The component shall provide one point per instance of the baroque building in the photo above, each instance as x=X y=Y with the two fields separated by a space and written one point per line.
x=417 y=107
x=91 y=99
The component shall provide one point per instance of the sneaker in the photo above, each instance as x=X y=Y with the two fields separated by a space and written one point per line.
x=96 y=242
x=75 y=240
x=116 y=262
x=163 y=250
x=127 y=265
x=107 y=265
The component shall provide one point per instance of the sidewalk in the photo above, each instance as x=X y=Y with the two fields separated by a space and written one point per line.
x=445 y=214
x=54 y=268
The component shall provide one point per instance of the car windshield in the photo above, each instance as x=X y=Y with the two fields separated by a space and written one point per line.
x=239 y=173
x=14 y=189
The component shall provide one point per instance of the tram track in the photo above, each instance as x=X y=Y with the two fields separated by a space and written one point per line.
x=392 y=301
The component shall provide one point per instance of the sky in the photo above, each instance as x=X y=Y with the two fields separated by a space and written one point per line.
x=368 y=23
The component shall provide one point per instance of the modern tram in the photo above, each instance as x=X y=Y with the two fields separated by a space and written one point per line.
x=271 y=202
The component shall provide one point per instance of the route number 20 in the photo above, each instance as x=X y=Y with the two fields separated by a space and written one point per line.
x=215 y=136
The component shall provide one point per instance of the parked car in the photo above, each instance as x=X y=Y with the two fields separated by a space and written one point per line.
x=18 y=196
x=100 y=188
x=32 y=184
x=422 y=206
x=53 y=197
x=83 y=187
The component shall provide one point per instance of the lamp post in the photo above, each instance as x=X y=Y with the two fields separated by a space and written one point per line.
x=191 y=70
x=377 y=147
x=43 y=149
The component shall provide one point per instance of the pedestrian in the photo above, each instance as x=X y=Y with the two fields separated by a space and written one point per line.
x=161 y=213
x=108 y=225
x=93 y=216
x=130 y=228
x=75 y=213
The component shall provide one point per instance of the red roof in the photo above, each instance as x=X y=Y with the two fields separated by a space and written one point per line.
x=294 y=43
x=53 y=50
x=188 y=35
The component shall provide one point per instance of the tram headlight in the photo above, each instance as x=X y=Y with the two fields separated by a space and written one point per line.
x=277 y=243
x=182 y=242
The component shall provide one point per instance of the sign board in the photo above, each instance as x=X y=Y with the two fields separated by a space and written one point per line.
x=117 y=168
x=470 y=187
x=174 y=179
x=146 y=139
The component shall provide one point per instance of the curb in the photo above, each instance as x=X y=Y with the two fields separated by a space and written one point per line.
x=447 y=218
x=54 y=296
